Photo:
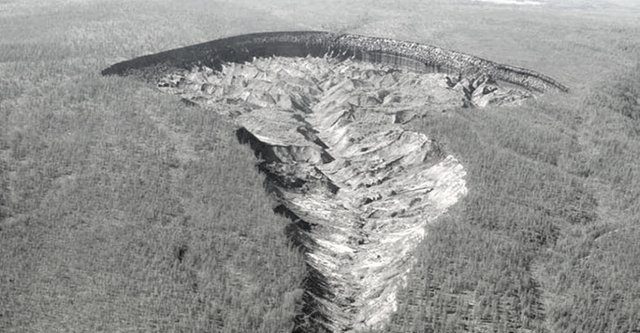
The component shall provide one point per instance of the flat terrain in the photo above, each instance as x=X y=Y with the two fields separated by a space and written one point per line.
x=122 y=209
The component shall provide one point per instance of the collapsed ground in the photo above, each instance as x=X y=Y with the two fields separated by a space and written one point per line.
x=360 y=188
x=105 y=184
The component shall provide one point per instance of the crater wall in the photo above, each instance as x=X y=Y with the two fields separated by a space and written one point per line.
x=417 y=56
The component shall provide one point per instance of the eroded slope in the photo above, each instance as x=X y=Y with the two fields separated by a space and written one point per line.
x=360 y=187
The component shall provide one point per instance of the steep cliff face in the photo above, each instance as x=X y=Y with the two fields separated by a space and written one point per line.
x=417 y=56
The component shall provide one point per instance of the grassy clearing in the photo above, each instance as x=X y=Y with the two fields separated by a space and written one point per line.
x=123 y=210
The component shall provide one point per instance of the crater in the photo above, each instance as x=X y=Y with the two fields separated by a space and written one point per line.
x=324 y=113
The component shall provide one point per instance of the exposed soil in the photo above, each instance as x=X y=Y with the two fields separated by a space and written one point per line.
x=360 y=188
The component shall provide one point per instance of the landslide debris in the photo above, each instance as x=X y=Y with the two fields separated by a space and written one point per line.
x=360 y=187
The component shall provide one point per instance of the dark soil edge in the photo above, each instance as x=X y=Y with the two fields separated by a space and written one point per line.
x=243 y=48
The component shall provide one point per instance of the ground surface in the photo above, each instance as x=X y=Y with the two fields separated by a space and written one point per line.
x=121 y=209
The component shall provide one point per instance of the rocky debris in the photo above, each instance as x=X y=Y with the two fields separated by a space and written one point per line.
x=482 y=91
x=361 y=188
x=398 y=94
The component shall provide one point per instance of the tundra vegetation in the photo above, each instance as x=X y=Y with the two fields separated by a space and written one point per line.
x=122 y=208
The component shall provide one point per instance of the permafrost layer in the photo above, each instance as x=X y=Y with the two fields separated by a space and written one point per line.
x=362 y=187
x=417 y=56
